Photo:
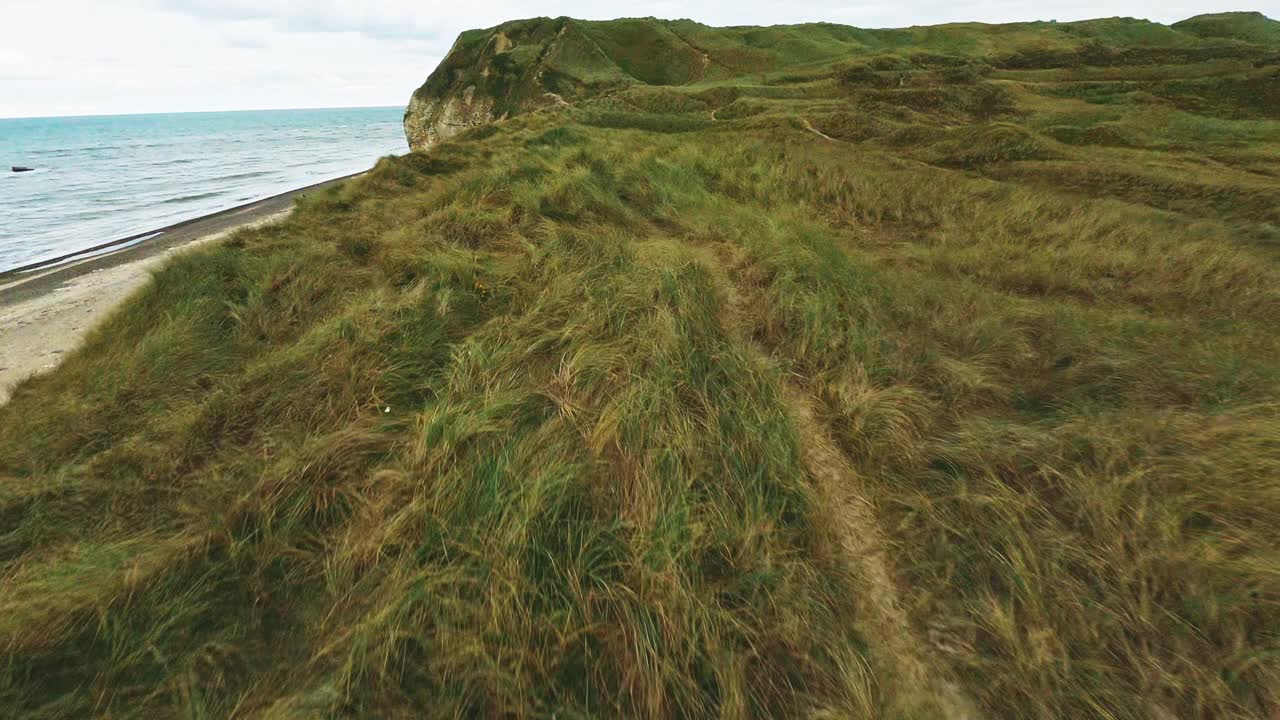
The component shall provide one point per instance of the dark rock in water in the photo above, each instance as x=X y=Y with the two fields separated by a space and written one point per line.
x=19 y=168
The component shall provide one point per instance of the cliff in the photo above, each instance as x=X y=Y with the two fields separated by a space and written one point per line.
x=528 y=64
x=490 y=74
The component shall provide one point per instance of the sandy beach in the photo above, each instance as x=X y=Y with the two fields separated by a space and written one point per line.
x=45 y=313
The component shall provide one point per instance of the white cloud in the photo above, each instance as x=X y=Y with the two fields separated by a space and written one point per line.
x=85 y=56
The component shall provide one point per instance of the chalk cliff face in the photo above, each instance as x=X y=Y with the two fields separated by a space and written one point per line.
x=488 y=75
x=527 y=64
x=428 y=120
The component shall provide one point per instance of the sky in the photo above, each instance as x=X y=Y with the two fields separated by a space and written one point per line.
x=87 y=57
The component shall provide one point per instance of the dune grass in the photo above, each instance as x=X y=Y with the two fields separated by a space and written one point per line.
x=640 y=408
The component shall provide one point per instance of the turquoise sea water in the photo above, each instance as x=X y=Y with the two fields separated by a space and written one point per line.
x=97 y=179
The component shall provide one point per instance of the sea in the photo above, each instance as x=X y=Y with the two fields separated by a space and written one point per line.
x=98 y=179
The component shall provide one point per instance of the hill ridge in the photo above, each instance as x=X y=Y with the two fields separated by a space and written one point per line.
x=466 y=90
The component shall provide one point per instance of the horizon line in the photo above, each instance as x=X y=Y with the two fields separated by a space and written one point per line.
x=198 y=112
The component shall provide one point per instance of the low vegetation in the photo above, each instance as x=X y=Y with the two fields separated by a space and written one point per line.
x=919 y=373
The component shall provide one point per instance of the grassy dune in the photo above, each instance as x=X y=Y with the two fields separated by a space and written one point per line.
x=931 y=374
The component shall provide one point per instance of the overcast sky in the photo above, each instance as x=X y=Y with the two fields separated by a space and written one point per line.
x=75 y=57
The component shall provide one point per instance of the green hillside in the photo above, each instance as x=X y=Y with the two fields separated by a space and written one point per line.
x=800 y=371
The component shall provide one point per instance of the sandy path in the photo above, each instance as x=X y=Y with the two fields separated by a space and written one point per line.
x=36 y=332
x=809 y=126
x=919 y=686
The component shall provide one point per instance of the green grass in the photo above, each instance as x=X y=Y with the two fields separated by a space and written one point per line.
x=663 y=405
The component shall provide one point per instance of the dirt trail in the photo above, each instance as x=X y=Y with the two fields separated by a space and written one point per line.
x=917 y=685
x=809 y=126
x=918 y=688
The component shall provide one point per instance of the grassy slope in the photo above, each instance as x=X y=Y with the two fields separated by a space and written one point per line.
x=667 y=405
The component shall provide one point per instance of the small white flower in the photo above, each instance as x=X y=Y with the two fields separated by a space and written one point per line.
x=387 y=410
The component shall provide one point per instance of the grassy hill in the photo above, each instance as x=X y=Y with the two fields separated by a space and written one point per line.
x=793 y=371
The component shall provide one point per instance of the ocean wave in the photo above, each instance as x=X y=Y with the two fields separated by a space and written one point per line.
x=246 y=175
x=193 y=198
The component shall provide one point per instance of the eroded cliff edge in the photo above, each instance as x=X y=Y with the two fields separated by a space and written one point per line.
x=526 y=64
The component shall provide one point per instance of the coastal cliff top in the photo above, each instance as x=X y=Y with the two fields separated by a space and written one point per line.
x=521 y=65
